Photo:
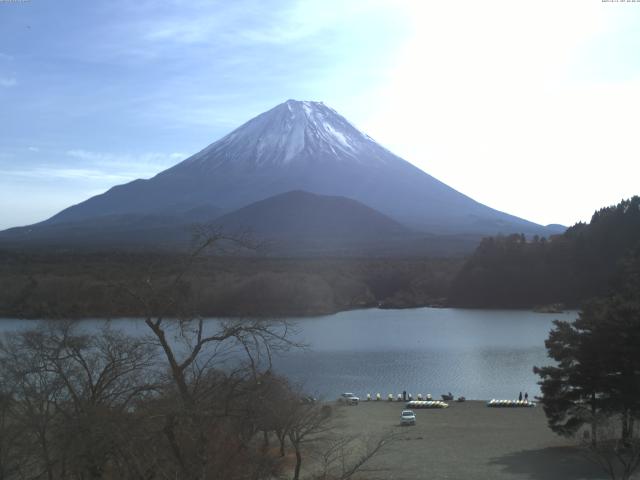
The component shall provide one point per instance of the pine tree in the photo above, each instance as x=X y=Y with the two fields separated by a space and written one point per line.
x=598 y=362
x=572 y=390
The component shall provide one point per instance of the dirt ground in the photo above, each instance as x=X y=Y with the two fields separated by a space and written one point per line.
x=467 y=441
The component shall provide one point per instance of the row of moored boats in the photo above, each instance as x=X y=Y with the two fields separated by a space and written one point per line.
x=510 y=403
x=401 y=398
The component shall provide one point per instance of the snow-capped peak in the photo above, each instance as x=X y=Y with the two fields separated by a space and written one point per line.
x=294 y=131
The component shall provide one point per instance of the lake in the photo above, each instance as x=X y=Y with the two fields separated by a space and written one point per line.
x=481 y=354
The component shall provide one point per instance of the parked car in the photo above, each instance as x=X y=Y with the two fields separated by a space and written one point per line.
x=407 y=417
x=349 y=398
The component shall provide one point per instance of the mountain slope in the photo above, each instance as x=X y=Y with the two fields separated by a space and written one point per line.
x=302 y=146
x=297 y=221
x=302 y=223
x=299 y=214
x=122 y=230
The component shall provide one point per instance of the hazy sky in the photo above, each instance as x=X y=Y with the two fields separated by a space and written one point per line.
x=531 y=107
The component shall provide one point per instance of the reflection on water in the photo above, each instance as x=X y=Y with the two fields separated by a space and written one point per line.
x=480 y=374
x=480 y=354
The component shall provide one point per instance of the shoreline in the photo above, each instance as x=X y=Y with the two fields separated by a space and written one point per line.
x=466 y=441
x=305 y=316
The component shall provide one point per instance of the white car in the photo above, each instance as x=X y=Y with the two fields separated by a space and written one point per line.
x=407 y=417
x=349 y=398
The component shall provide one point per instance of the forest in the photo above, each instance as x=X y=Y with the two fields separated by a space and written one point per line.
x=591 y=390
x=507 y=271
x=518 y=272
x=75 y=285
x=185 y=401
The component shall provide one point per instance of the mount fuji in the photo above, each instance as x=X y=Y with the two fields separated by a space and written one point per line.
x=296 y=146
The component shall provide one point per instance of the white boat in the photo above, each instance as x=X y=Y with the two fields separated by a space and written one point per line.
x=427 y=404
x=493 y=403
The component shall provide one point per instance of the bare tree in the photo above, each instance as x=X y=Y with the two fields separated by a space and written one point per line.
x=35 y=392
x=82 y=406
x=72 y=394
x=308 y=423
x=345 y=456
x=196 y=352
x=11 y=437
x=618 y=456
x=277 y=402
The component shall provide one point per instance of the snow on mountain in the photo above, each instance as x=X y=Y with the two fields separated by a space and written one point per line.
x=301 y=145
x=291 y=132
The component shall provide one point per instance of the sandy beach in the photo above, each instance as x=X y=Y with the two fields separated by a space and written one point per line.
x=467 y=441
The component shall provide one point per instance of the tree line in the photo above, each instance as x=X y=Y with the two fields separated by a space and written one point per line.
x=75 y=405
x=594 y=386
x=518 y=272
x=187 y=399
x=80 y=285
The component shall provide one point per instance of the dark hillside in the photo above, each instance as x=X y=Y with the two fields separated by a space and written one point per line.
x=583 y=262
x=302 y=215
x=79 y=285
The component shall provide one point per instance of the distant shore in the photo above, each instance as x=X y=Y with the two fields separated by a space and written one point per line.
x=84 y=285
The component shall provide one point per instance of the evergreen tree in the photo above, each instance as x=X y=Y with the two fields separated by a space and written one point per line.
x=598 y=362
x=582 y=263
x=572 y=390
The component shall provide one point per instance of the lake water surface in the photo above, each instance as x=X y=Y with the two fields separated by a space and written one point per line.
x=480 y=354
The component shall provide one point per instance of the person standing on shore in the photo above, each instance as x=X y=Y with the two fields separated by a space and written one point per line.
x=520 y=397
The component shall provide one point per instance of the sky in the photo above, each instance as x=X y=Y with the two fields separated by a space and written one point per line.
x=530 y=107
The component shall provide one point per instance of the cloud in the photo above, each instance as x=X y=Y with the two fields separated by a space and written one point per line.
x=102 y=167
x=33 y=149
x=148 y=33
x=8 y=82
x=117 y=159
x=44 y=172
x=127 y=165
x=248 y=22
x=528 y=107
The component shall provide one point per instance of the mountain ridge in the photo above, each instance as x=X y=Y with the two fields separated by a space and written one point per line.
x=306 y=146
x=311 y=215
